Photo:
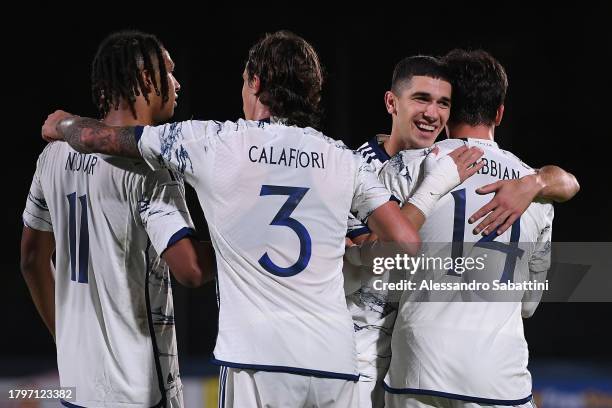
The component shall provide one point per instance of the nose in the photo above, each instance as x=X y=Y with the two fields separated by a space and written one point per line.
x=431 y=113
x=177 y=85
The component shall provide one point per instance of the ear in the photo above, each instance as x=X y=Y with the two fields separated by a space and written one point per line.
x=390 y=102
x=499 y=115
x=146 y=79
x=254 y=84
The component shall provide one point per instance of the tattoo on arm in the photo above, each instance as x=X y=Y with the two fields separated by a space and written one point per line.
x=87 y=135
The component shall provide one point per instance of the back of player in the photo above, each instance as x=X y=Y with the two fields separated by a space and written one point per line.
x=114 y=313
x=275 y=198
x=471 y=351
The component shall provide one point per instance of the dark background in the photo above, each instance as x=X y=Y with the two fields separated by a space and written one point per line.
x=557 y=111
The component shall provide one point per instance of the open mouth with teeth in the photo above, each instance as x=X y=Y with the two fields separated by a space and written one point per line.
x=425 y=127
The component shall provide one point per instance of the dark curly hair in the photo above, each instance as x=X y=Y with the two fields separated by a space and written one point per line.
x=116 y=70
x=479 y=86
x=290 y=77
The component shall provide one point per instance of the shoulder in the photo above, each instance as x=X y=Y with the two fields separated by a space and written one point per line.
x=52 y=153
x=319 y=136
x=52 y=149
x=511 y=156
x=405 y=163
x=448 y=145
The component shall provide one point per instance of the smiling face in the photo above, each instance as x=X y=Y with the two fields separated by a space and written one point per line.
x=420 y=111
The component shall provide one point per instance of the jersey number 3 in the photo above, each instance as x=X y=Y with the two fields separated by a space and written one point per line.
x=283 y=218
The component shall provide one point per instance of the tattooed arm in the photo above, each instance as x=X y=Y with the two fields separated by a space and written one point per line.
x=87 y=135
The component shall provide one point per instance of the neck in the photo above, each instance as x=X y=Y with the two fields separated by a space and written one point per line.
x=260 y=112
x=124 y=117
x=393 y=145
x=463 y=130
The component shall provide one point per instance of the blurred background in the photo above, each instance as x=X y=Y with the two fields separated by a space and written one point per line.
x=557 y=62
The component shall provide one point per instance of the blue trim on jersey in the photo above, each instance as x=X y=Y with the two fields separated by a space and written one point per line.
x=288 y=370
x=488 y=401
x=359 y=231
x=180 y=234
x=138 y=133
x=69 y=405
x=394 y=198
x=378 y=150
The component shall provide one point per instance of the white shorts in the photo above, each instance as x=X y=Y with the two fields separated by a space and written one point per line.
x=426 y=401
x=239 y=388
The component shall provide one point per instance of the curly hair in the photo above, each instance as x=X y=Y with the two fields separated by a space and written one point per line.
x=479 y=86
x=290 y=77
x=116 y=70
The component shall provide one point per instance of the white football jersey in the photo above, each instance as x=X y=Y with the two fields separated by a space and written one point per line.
x=114 y=325
x=472 y=351
x=275 y=198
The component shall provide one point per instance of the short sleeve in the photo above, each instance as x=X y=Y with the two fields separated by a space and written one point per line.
x=163 y=210
x=369 y=193
x=36 y=213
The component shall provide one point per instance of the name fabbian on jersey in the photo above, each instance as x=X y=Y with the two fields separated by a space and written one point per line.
x=431 y=285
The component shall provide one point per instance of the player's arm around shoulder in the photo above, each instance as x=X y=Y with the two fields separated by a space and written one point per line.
x=513 y=197
x=87 y=135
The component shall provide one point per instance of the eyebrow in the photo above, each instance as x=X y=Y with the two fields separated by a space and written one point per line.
x=428 y=95
x=425 y=94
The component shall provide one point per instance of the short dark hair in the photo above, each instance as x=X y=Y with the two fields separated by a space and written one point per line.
x=290 y=77
x=418 y=65
x=116 y=70
x=479 y=86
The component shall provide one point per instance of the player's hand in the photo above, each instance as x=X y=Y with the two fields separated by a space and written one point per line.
x=49 y=128
x=442 y=174
x=465 y=159
x=512 y=197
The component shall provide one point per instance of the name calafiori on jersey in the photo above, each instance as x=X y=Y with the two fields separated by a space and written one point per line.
x=286 y=157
